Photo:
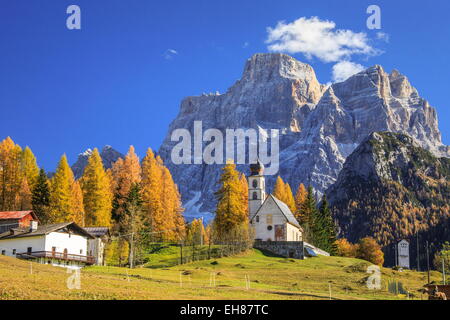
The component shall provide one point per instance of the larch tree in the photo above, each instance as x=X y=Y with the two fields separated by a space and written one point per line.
x=289 y=198
x=300 y=198
x=279 y=190
x=61 y=192
x=231 y=214
x=11 y=177
x=244 y=186
x=41 y=197
x=125 y=173
x=152 y=189
x=97 y=195
x=77 y=207
x=25 y=196
x=171 y=200
x=29 y=167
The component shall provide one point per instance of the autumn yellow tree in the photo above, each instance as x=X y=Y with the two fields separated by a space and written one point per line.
x=29 y=167
x=231 y=214
x=97 y=195
x=66 y=202
x=346 y=249
x=370 y=250
x=124 y=174
x=11 y=177
x=152 y=190
x=197 y=233
x=244 y=191
x=289 y=198
x=300 y=199
x=279 y=190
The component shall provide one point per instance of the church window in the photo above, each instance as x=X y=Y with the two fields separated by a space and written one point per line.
x=269 y=228
x=269 y=219
x=255 y=184
x=257 y=219
x=255 y=196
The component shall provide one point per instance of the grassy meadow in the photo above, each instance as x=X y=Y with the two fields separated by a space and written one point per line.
x=251 y=275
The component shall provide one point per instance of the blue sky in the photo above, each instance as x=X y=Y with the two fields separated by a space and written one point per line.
x=116 y=81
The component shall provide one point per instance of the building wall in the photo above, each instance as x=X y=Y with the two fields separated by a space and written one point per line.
x=74 y=244
x=293 y=249
x=21 y=245
x=96 y=248
x=293 y=233
x=269 y=215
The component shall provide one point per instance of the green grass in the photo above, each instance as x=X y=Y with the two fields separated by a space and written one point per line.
x=270 y=278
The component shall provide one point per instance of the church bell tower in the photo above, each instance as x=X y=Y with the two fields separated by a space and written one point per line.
x=256 y=188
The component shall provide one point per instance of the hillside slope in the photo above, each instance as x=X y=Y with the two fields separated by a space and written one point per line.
x=390 y=188
x=270 y=278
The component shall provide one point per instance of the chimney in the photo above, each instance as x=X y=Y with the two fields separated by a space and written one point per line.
x=33 y=226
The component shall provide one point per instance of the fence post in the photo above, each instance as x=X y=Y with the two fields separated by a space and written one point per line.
x=181 y=252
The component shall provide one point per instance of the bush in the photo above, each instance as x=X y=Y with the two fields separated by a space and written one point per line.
x=370 y=250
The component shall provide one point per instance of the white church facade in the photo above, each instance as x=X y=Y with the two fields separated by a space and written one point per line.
x=270 y=218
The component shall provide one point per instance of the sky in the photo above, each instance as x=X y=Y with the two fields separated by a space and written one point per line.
x=120 y=79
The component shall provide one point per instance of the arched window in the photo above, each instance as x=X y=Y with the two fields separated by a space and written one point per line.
x=255 y=196
x=255 y=184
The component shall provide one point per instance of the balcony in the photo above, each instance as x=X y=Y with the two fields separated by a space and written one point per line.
x=57 y=255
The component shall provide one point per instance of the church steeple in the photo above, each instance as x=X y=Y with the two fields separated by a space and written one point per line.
x=256 y=188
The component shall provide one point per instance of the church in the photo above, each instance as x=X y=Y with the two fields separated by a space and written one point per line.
x=270 y=218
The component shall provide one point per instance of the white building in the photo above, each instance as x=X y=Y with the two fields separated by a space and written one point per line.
x=62 y=244
x=403 y=254
x=270 y=218
x=97 y=246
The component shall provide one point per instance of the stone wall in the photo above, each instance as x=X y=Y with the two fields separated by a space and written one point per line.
x=291 y=249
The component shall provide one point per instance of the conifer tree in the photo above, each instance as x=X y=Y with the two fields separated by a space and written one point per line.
x=279 y=190
x=41 y=197
x=152 y=190
x=309 y=212
x=77 y=207
x=11 y=177
x=25 y=196
x=97 y=196
x=231 y=214
x=289 y=198
x=29 y=167
x=61 y=186
x=300 y=198
x=328 y=227
x=125 y=173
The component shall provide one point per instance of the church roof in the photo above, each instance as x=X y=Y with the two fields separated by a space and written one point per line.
x=286 y=211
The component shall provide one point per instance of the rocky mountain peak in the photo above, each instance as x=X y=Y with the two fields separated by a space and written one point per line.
x=321 y=125
x=108 y=155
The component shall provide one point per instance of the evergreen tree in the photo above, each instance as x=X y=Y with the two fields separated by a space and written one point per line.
x=97 y=195
x=41 y=197
x=328 y=227
x=231 y=214
x=308 y=216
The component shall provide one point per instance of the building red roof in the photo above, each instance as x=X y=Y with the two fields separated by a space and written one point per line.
x=7 y=215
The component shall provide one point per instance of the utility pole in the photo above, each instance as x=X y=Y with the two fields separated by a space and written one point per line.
x=395 y=252
x=428 y=262
x=418 y=254
x=201 y=234
x=132 y=251
x=443 y=268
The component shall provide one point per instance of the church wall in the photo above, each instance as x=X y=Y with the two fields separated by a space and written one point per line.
x=261 y=227
x=293 y=233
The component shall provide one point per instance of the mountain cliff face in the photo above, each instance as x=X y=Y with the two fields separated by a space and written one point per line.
x=320 y=125
x=390 y=188
x=108 y=155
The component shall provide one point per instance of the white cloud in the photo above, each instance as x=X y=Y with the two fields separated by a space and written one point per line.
x=318 y=38
x=345 y=69
x=170 y=53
